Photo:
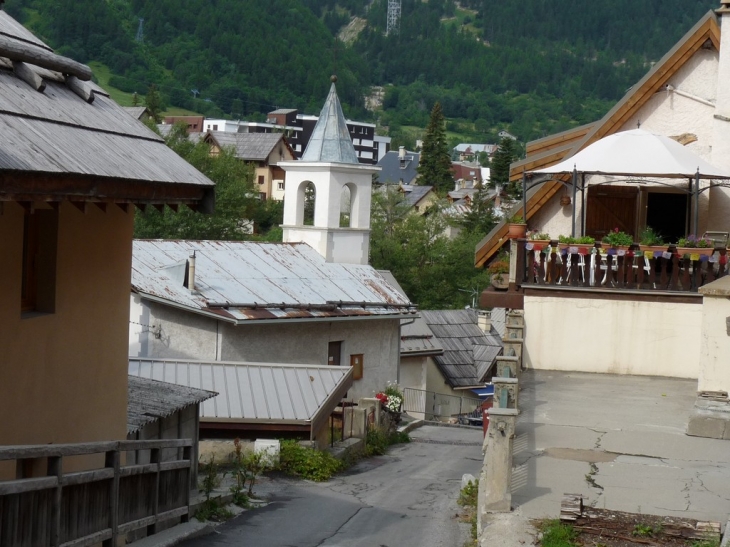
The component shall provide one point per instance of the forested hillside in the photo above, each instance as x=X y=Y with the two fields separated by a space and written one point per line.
x=530 y=66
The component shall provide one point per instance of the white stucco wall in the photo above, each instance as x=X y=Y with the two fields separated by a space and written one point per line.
x=185 y=335
x=339 y=245
x=715 y=346
x=613 y=336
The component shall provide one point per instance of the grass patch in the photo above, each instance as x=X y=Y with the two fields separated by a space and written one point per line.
x=378 y=440
x=102 y=75
x=557 y=534
x=468 y=500
x=707 y=543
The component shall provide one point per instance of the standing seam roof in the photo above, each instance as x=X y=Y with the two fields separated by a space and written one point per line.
x=330 y=140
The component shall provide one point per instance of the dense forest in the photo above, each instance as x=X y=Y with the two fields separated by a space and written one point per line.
x=530 y=66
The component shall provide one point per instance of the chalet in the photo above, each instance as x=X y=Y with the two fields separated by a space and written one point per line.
x=73 y=166
x=264 y=151
x=399 y=167
x=631 y=313
x=470 y=152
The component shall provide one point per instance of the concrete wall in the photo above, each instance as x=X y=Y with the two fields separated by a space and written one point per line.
x=715 y=345
x=64 y=374
x=185 y=335
x=612 y=336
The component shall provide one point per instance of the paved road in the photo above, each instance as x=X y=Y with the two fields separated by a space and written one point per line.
x=405 y=498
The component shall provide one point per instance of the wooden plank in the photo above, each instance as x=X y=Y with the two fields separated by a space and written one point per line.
x=161 y=443
x=178 y=464
x=27 y=485
x=112 y=461
x=45 y=451
x=83 y=477
x=91 y=539
x=155 y=457
x=141 y=469
x=55 y=469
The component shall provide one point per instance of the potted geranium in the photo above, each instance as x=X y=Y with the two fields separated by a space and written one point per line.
x=617 y=240
x=651 y=242
x=697 y=246
x=391 y=398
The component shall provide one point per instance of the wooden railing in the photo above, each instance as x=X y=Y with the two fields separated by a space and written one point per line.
x=629 y=268
x=99 y=505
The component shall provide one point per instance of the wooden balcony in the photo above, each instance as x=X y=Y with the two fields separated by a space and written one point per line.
x=95 y=506
x=634 y=268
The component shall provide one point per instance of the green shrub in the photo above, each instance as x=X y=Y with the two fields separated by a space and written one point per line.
x=378 y=440
x=468 y=494
x=649 y=236
x=618 y=238
x=307 y=463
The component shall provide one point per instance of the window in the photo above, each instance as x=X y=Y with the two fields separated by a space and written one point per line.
x=261 y=179
x=356 y=362
x=38 y=284
x=215 y=127
x=280 y=185
x=262 y=196
x=334 y=353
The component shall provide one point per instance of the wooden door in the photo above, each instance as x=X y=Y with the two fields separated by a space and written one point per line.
x=611 y=207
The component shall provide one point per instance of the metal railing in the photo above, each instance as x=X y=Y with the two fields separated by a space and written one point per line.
x=100 y=505
x=434 y=406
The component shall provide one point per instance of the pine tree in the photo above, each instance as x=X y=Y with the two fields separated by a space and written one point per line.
x=435 y=165
x=503 y=157
x=153 y=101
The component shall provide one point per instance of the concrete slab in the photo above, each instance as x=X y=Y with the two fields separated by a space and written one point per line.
x=175 y=535
x=618 y=440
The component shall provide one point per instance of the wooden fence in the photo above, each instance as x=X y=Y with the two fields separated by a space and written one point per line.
x=95 y=506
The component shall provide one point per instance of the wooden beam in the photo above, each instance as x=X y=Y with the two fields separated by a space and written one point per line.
x=29 y=76
x=55 y=469
x=124 y=207
x=101 y=205
x=21 y=486
x=80 y=205
x=39 y=56
x=29 y=206
x=80 y=88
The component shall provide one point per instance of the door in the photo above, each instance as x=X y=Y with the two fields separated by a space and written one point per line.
x=611 y=207
x=667 y=214
x=334 y=354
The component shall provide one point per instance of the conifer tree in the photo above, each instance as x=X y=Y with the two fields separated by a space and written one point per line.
x=503 y=157
x=435 y=165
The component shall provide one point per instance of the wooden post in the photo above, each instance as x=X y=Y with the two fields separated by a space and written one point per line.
x=155 y=457
x=112 y=460
x=55 y=469
x=188 y=455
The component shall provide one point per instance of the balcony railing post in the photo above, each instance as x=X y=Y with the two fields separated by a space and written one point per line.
x=55 y=469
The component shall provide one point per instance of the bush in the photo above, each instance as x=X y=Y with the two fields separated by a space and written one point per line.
x=307 y=463
x=557 y=534
x=468 y=494
x=378 y=440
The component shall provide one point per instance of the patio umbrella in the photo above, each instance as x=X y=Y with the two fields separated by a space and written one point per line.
x=638 y=153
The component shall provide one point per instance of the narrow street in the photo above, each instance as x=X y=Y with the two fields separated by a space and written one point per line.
x=405 y=498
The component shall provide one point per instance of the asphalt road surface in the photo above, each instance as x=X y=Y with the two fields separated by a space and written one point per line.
x=405 y=498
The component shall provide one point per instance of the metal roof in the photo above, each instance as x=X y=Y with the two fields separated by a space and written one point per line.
x=254 y=392
x=135 y=111
x=415 y=336
x=391 y=170
x=248 y=146
x=58 y=132
x=415 y=193
x=149 y=400
x=242 y=281
x=469 y=352
x=330 y=140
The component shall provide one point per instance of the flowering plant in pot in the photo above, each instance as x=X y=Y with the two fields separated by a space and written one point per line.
x=582 y=245
x=651 y=242
x=499 y=271
x=692 y=245
x=617 y=239
x=537 y=241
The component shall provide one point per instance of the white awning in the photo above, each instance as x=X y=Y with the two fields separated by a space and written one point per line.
x=638 y=153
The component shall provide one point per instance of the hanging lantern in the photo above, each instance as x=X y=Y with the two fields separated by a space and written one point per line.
x=565 y=200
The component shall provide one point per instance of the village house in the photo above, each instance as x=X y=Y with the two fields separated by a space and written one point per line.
x=641 y=326
x=399 y=167
x=470 y=152
x=74 y=167
x=264 y=151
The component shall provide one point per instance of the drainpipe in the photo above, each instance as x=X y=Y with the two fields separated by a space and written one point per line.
x=191 y=272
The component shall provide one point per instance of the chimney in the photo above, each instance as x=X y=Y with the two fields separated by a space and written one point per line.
x=402 y=156
x=191 y=272
x=484 y=321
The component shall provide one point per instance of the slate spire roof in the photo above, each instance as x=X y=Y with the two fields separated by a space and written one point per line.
x=330 y=141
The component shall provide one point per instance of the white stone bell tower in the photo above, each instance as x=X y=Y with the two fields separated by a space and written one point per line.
x=330 y=164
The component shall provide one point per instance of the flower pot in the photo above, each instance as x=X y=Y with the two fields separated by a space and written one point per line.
x=538 y=245
x=516 y=231
x=698 y=251
x=500 y=281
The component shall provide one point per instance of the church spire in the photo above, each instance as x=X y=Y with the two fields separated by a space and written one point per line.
x=330 y=141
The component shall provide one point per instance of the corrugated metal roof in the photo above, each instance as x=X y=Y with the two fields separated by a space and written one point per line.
x=469 y=352
x=330 y=140
x=149 y=400
x=58 y=132
x=248 y=146
x=241 y=281
x=254 y=392
x=415 y=336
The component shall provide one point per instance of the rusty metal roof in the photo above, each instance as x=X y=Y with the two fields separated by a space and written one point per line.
x=243 y=281
x=254 y=392
x=330 y=140
x=150 y=400
x=57 y=132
